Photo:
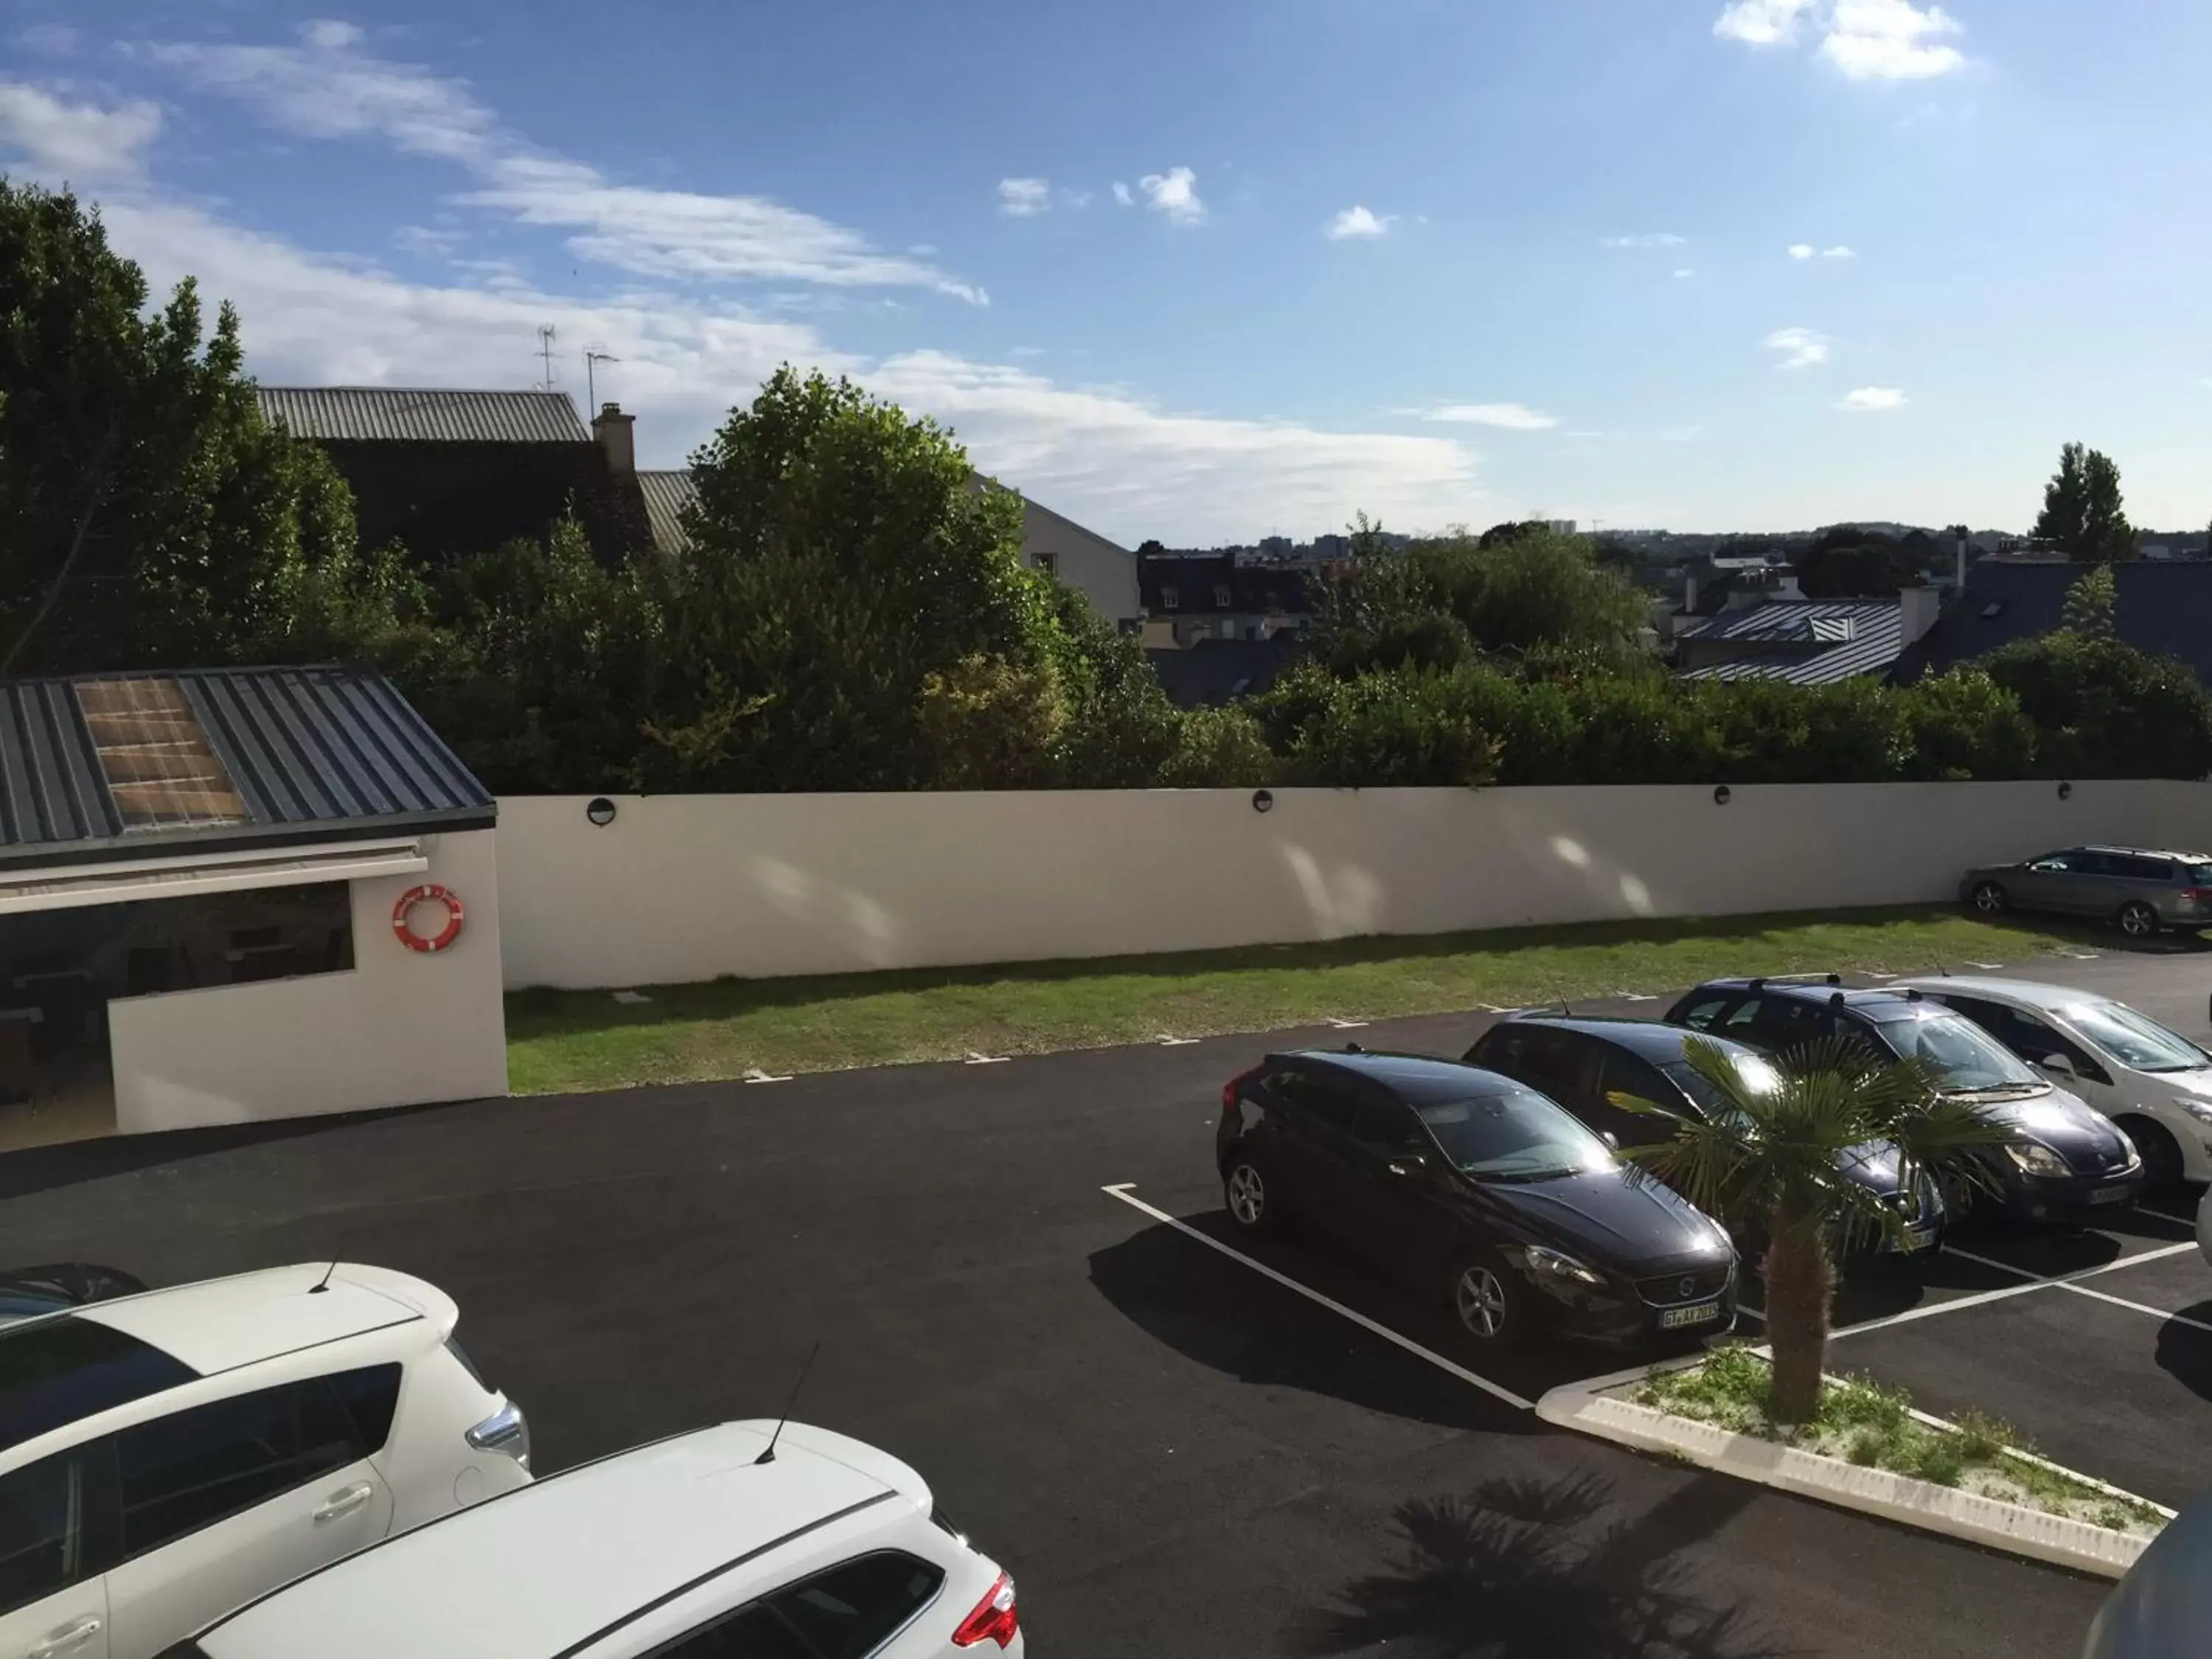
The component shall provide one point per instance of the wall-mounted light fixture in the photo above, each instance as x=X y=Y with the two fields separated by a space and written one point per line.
x=600 y=810
x=1263 y=800
x=1722 y=795
x=2066 y=792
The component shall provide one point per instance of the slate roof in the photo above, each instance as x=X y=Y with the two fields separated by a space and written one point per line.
x=315 y=754
x=666 y=496
x=422 y=415
x=1217 y=671
x=2162 y=607
x=1805 y=643
x=1196 y=582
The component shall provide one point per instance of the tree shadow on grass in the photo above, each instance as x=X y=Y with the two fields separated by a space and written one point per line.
x=1514 y=1569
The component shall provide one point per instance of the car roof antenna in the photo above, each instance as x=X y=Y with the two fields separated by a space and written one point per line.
x=323 y=1283
x=1565 y=1012
x=767 y=1455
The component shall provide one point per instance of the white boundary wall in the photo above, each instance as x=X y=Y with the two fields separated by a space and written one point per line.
x=682 y=888
x=402 y=1027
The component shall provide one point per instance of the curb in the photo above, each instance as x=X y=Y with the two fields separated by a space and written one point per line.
x=1967 y=1516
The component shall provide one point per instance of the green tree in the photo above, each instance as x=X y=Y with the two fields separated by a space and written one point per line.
x=1964 y=725
x=146 y=514
x=1773 y=1162
x=2102 y=708
x=2092 y=600
x=1218 y=748
x=2083 y=511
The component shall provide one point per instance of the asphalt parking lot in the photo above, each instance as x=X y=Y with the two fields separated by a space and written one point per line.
x=1009 y=1270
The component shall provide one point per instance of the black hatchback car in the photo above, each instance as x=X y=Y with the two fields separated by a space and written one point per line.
x=1467 y=1182
x=1584 y=1063
x=2063 y=1160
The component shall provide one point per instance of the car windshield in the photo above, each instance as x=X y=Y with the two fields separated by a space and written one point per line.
x=1515 y=1135
x=1965 y=1060
x=1757 y=1077
x=2133 y=1040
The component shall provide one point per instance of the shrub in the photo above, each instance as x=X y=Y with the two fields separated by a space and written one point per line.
x=1218 y=748
x=1397 y=729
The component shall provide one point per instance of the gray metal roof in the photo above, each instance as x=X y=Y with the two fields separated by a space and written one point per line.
x=1808 y=642
x=314 y=753
x=423 y=415
x=666 y=496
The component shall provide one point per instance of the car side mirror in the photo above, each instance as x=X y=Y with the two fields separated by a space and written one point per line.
x=2059 y=1066
x=1610 y=1139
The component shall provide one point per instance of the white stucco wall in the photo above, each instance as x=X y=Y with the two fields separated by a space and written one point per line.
x=401 y=1028
x=1104 y=572
x=685 y=888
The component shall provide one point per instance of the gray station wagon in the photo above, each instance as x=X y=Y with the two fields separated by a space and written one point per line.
x=2139 y=892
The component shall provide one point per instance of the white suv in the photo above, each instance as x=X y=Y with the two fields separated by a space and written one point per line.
x=168 y=1455
x=743 y=1541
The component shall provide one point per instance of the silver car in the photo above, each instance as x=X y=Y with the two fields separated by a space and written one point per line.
x=2140 y=891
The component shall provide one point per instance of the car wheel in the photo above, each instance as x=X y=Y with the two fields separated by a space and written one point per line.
x=2137 y=920
x=1992 y=900
x=1487 y=1301
x=2161 y=1156
x=1251 y=1205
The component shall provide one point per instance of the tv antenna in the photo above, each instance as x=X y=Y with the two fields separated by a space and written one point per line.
x=592 y=358
x=545 y=333
x=767 y=1455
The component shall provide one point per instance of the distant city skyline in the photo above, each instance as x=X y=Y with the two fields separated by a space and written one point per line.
x=1707 y=262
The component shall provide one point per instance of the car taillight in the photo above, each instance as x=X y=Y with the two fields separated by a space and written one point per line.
x=994 y=1619
x=2198 y=895
x=1229 y=1090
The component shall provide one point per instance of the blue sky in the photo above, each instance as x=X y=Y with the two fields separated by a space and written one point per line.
x=1206 y=272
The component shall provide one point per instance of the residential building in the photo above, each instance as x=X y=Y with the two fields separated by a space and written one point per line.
x=1219 y=670
x=238 y=893
x=1213 y=596
x=2164 y=607
x=1560 y=527
x=448 y=473
x=1805 y=641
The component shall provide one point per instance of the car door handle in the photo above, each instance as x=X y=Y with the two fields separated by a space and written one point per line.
x=345 y=1502
x=1399 y=1169
x=64 y=1640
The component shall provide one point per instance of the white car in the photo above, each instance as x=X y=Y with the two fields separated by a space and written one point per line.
x=2155 y=1084
x=166 y=1456
x=744 y=1542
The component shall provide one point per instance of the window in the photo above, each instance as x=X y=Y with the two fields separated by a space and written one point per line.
x=1962 y=1053
x=2056 y=863
x=1515 y=1134
x=1047 y=563
x=847 y=1613
x=42 y=1533
x=1786 y=1022
x=1325 y=1100
x=160 y=769
x=363 y=1401
x=1389 y=1126
x=1224 y=597
x=195 y=1468
x=1625 y=1074
x=1170 y=599
x=63 y=1371
x=1700 y=1015
x=2133 y=1040
x=2141 y=869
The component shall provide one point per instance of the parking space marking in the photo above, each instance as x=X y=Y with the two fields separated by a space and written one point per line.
x=1958 y=1304
x=1121 y=1191
x=2139 y=1307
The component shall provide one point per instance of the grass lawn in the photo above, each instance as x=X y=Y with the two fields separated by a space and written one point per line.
x=563 y=1041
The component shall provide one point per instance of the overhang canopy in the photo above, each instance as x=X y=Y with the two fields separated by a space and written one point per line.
x=126 y=881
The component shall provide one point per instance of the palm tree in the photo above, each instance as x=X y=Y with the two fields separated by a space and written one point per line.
x=1774 y=1160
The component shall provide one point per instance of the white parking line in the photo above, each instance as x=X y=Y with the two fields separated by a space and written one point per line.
x=1960 y=1303
x=2139 y=1307
x=1123 y=1192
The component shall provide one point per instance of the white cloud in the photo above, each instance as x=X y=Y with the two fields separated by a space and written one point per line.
x=1121 y=194
x=1683 y=273
x=76 y=143
x=1024 y=198
x=1801 y=348
x=1174 y=193
x=1075 y=198
x=1838 y=251
x=1891 y=40
x=324 y=89
x=429 y=243
x=1807 y=251
x=1761 y=22
x=1354 y=222
x=1865 y=40
x=1872 y=400
x=49 y=39
x=329 y=35
x=1649 y=239
x=1512 y=417
x=1801 y=249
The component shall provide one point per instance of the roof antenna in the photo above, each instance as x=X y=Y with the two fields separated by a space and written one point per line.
x=323 y=1283
x=1565 y=1011
x=768 y=1454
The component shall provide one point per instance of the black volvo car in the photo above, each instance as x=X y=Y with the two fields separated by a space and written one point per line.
x=2063 y=1159
x=1466 y=1181
x=1584 y=1063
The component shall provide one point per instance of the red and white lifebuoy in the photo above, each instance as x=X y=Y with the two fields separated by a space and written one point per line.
x=430 y=893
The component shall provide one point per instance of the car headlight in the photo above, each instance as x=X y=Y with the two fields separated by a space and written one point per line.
x=1557 y=1263
x=2199 y=1109
x=2035 y=1159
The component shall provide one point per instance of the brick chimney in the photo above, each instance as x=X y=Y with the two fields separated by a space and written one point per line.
x=617 y=443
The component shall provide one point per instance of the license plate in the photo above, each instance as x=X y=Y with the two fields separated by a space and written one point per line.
x=2112 y=1196
x=1916 y=1239
x=1705 y=1313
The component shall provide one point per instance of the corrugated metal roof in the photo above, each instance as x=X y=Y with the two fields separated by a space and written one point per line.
x=666 y=496
x=313 y=753
x=1800 y=634
x=423 y=415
